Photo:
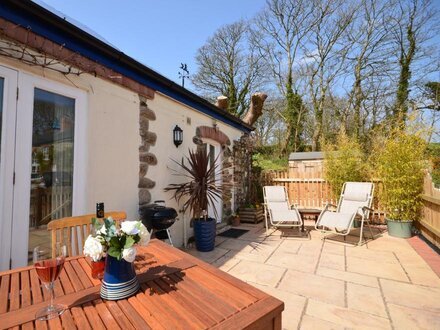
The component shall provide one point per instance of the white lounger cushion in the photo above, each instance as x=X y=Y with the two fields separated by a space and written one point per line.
x=275 y=193
x=279 y=206
x=284 y=216
x=337 y=220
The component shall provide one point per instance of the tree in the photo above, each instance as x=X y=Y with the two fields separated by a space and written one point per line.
x=343 y=162
x=410 y=31
x=229 y=65
x=368 y=58
x=432 y=93
x=278 y=32
x=431 y=104
x=325 y=55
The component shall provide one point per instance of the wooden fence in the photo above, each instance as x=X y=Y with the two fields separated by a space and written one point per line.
x=315 y=192
x=430 y=223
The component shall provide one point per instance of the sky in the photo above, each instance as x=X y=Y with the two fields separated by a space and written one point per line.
x=161 y=34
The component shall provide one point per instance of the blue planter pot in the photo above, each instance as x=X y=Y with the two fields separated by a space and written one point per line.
x=204 y=234
x=119 y=280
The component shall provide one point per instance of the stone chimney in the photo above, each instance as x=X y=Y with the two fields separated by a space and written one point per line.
x=222 y=102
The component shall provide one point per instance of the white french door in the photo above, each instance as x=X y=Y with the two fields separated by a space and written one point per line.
x=8 y=110
x=44 y=171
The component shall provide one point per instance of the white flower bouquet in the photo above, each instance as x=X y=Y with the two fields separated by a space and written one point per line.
x=117 y=242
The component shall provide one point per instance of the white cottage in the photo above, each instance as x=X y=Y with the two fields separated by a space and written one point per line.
x=82 y=123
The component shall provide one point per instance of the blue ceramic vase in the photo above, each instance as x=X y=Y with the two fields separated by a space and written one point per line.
x=119 y=280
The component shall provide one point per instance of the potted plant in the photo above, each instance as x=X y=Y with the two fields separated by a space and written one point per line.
x=200 y=190
x=235 y=219
x=117 y=244
x=400 y=167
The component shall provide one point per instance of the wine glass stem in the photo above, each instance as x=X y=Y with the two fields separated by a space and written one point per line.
x=52 y=294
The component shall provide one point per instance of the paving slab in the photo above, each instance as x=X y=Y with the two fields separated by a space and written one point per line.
x=327 y=284
x=346 y=317
x=411 y=318
x=422 y=276
x=293 y=261
x=348 y=277
x=383 y=256
x=255 y=257
x=238 y=245
x=391 y=244
x=410 y=258
x=225 y=263
x=333 y=261
x=257 y=273
x=411 y=295
x=314 y=323
x=333 y=248
x=310 y=248
x=365 y=299
x=210 y=256
x=289 y=246
x=293 y=304
x=376 y=268
x=314 y=286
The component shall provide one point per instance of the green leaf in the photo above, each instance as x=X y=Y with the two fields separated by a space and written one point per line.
x=115 y=252
x=129 y=241
x=96 y=223
x=114 y=242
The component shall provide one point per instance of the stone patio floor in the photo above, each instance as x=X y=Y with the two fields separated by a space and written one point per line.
x=384 y=284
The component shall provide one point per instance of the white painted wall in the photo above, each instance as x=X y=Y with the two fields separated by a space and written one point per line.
x=112 y=154
x=170 y=113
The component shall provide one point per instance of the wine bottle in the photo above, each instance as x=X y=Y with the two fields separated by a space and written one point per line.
x=100 y=210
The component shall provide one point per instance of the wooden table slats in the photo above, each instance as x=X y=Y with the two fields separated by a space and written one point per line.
x=178 y=291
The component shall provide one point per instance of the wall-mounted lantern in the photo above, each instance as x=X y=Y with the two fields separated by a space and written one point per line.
x=177 y=136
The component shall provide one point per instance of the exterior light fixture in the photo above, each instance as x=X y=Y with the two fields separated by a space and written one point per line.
x=177 y=136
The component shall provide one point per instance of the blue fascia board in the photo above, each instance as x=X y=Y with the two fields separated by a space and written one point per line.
x=76 y=45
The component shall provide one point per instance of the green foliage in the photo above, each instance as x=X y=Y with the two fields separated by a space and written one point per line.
x=399 y=164
x=343 y=162
x=268 y=162
x=434 y=155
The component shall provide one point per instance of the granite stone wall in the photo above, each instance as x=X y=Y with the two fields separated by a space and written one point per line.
x=146 y=158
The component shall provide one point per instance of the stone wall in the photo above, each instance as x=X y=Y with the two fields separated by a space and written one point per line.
x=242 y=155
x=146 y=158
x=214 y=133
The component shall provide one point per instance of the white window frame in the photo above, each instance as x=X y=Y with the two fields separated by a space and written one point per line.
x=7 y=162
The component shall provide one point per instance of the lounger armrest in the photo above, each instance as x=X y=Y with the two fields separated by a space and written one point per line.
x=294 y=206
x=329 y=205
x=366 y=208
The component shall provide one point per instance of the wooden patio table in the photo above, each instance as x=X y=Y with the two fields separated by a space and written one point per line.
x=178 y=291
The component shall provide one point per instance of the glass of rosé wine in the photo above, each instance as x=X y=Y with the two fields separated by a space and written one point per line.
x=48 y=264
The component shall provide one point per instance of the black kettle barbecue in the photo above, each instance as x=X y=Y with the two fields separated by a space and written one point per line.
x=158 y=218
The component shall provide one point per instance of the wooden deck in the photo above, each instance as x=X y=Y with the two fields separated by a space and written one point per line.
x=178 y=291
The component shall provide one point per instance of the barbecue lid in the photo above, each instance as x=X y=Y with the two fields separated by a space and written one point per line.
x=157 y=210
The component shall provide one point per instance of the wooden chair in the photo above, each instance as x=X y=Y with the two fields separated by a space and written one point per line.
x=63 y=230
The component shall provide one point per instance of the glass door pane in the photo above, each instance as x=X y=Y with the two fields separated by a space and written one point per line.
x=52 y=163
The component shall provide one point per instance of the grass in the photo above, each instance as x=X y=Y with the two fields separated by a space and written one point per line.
x=270 y=163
